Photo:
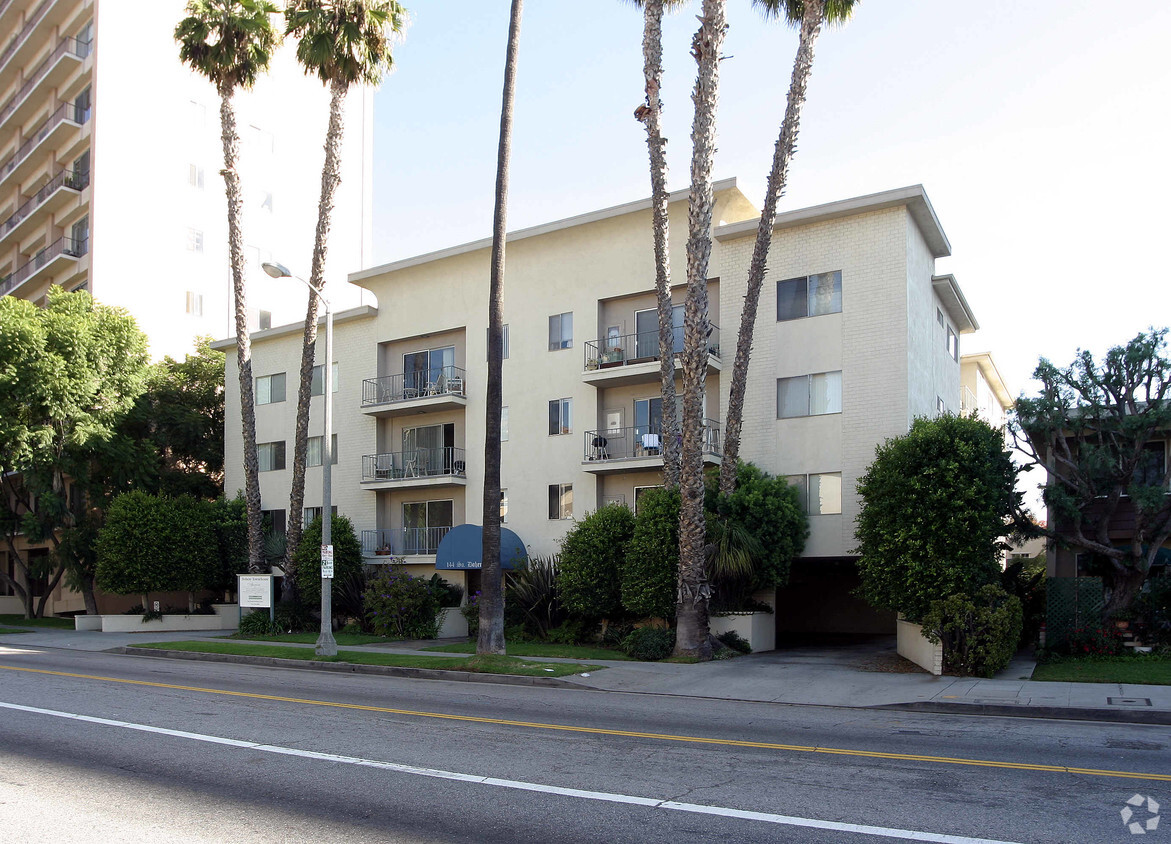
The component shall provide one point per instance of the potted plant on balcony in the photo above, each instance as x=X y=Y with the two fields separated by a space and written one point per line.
x=612 y=356
x=591 y=363
x=384 y=550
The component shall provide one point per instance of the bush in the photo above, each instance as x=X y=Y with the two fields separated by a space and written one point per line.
x=735 y=641
x=306 y=562
x=294 y=618
x=936 y=504
x=652 y=558
x=979 y=636
x=230 y=521
x=1154 y=607
x=401 y=606
x=471 y=614
x=257 y=623
x=448 y=594
x=532 y=596
x=1026 y=580
x=649 y=644
x=592 y=556
x=1101 y=640
x=570 y=633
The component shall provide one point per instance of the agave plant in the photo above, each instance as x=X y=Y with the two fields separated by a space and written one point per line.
x=533 y=590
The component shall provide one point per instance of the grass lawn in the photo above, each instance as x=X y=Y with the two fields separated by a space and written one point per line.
x=539 y=649
x=311 y=638
x=14 y=620
x=1147 y=669
x=479 y=664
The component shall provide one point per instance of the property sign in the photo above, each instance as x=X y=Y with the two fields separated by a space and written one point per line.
x=327 y=561
x=255 y=590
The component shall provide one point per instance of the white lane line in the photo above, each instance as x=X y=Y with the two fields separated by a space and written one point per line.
x=604 y=796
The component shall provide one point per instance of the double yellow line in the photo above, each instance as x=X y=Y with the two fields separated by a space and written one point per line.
x=565 y=728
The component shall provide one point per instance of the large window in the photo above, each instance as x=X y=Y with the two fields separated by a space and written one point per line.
x=312 y=514
x=270 y=389
x=811 y=295
x=560 y=501
x=646 y=323
x=313 y=455
x=560 y=331
x=425 y=523
x=271 y=456
x=561 y=416
x=1152 y=464
x=809 y=395
x=317 y=380
x=273 y=522
x=423 y=370
x=819 y=494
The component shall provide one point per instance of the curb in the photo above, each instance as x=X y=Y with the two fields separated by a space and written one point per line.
x=1058 y=713
x=353 y=668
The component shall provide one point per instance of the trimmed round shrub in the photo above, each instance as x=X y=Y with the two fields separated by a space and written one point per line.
x=649 y=644
x=401 y=606
x=347 y=558
x=591 y=559
x=648 y=579
x=979 y=636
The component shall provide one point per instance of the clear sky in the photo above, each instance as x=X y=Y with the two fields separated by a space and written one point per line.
x=1039 y=129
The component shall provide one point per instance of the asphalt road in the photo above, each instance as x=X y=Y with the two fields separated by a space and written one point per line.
x=209 y=752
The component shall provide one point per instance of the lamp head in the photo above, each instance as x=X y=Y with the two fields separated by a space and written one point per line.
x=276 y=270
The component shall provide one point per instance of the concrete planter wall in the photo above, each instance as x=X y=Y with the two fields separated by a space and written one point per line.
x=226 y=618
x=758 y=628
x=452 y=624
x=913 y=645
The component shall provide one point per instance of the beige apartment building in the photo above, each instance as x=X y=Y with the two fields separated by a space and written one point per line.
x=109 y=178
x=857 y=336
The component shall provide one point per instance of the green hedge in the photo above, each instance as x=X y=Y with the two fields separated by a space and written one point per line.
x=652 y=558
x=347 y=558
x=590 y=563
x=979 y=636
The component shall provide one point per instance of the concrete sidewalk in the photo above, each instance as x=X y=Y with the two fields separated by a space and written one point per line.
x=858 y=675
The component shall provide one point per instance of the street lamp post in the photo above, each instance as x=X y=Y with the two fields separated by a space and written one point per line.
x=326 y=644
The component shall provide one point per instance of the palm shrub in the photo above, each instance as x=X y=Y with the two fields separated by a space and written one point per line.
x=532 y=592
x=591 y=562
x=347 y=558
x=980 y=634
x=401 y=606
x=648 y=580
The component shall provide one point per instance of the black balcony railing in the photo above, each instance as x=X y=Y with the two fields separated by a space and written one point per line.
x=443 y=381
x=416 y=463
x=65 y=179
x=402 y=542
x=67 y=47
x=625 y=349
x=63 y=112
x=62 y=246
x=641 y=441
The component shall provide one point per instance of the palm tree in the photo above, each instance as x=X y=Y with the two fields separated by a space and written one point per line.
x=231 y=42
x=343 y=43
x=808 y=15
x=692 y=636
x=650 y=114
x=491 y=636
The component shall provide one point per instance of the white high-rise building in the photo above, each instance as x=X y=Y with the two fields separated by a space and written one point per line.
x=110 y=160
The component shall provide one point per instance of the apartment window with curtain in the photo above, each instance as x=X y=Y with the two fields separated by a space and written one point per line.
x=425 y=523
x=560 y=501
x=317 y=381
x=270 y=389
x=313 y=455
x=423 y=370
x=312 y=514
x=271 y=456
x=808 y=296
x=819 y=494
x=560 y=416
x=809 y=395
x=560 y=331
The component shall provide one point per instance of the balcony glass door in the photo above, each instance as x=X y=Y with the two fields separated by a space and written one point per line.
x=424 y=371
x=425 y=523
x=646 y=323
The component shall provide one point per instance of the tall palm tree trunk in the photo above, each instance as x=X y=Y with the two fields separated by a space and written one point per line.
x=331 y=177
x=651 y=116
x=231 y=142
x=811 y=22
x=491 y=635
x=691 y=611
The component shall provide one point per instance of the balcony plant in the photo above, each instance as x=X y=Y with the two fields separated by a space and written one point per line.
x=612 y=356
x=592 y=363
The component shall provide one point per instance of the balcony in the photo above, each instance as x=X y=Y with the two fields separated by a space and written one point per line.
x=59 y=192
x=634 y=358
x=55 y=69
x=618 y=450
x=381 y=545
x=53 y=133
x=8 y=9
x=422 y=467
x=22 y=43
x=62 y=252
x=415 y=392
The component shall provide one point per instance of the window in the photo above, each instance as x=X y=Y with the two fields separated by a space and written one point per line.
x=503 y=506
x=1151 y=465
x=425 y=523
x=194 y=240
x=560 y=501
x=81 y=171
x=312 y=514
x=271 y=456
x=273 y=522
x=195 y=304
x=939 y=317
x=560 y=416
x=646 y=326
x=265 y=200
x=270 y=389
x=79 y=235
x=82 y=104
x=265 y=320
x=316 y=383
x=808 y=296
x=195 y=176
x=560 y=332
x=940 y=406
x=313 y=456
x=423 y=370
x=504 y=424
x=819 y=494
x=953 y=344
x=809 y=395
x=85 y=40
x=505 y=343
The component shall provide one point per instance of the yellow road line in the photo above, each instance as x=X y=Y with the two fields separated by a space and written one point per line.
x=536 y=725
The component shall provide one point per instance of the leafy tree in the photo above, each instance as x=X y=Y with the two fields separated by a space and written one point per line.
x=347 y=558
x=343 y=43
x=937 y=503
x=1099 y=428
x=230 y=42
x=68 y=373
x=648 y=580
x=593 y=553
x=490 y=633
x=808 y=16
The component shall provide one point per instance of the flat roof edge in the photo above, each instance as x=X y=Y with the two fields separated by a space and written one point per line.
x=348 y=315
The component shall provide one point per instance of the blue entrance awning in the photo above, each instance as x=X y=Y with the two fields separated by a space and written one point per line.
x=462 y=549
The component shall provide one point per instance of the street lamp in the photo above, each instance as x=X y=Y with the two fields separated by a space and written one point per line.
x=326 y=644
